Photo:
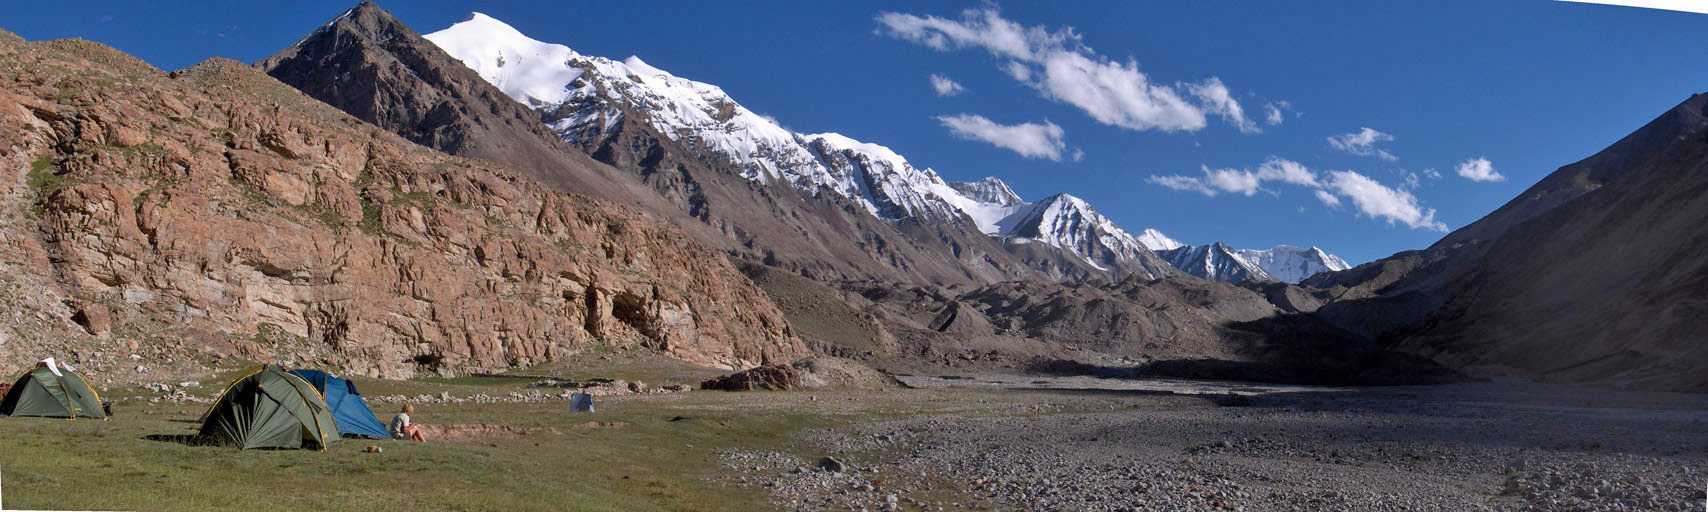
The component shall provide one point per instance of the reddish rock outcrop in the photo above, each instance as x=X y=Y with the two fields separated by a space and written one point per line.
x=222 y=200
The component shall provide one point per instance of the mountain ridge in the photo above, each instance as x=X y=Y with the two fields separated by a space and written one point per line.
x=756 y=222
x=603 y=92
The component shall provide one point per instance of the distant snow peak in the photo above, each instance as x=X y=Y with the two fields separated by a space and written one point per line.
x=1156 y=241
x=1293 y=264
x=990 y=189
x=1285 y=263
x=1070 y=223
x=1216 y=261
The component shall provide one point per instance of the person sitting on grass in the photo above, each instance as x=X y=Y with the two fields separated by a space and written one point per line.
x=403 y=428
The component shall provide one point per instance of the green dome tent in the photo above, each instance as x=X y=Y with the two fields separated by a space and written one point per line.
x=270 y=408
x=53 y=391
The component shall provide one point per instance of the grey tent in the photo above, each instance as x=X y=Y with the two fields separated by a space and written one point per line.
x=53 y=391
x=269 y=407
x=580 y=402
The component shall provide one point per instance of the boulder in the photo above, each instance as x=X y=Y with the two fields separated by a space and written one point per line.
x=94 y=318
x=832 y=465
x=770 y=377
x=820 y=372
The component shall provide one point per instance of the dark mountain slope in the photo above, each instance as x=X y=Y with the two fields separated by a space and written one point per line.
x=370 y=65
x=1594 y=275
x=1635 y=151
x=823 y=236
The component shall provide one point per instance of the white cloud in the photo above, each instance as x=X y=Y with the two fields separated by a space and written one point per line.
x=1019 y=71
x=945 y=87
x=1060 y=67
x=1371 y=198
x=1233 y=181
x=1364 y=142
x=1183 y=184
x=1286 y=171
x=1480 y=170
x=1215 y=98
x=1031 y=140
x=1431 y=173
x=1240 y=181
x=1376 y=200
x=977 y=28
x=1273 y=111
x=1117 y=94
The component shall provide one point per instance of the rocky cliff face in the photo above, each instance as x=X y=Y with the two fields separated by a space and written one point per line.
x=224 y=202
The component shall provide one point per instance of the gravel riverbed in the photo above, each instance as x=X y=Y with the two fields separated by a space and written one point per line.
x=1455 y=448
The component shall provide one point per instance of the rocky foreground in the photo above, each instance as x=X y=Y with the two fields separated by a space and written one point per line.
x=1482 y=447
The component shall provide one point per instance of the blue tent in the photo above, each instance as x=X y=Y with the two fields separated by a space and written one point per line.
x=349 y=410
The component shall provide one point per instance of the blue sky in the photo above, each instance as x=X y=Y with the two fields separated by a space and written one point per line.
x=1528 y=85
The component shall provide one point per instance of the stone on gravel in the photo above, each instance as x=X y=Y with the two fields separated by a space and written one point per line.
x=832 y=465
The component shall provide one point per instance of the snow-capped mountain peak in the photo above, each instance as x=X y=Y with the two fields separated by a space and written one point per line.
x=1070 y=223
x=1215 y=261
x=640 y=67
x=1286 y=263
x=1156 y=241
x=533 y=72
x=885 y=181
x=989 y=190
x=1292 y=263
x=588 y=95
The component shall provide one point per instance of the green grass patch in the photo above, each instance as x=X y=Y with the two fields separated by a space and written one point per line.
x=44 y=176
x=44 y=179
x=325 y=214
x=371 y=223
x=254 y=195
x=149 y=148
x=422 y=200
x=649 y=462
